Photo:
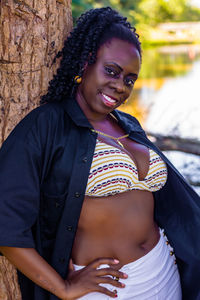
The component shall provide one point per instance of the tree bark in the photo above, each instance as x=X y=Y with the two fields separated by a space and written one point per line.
x=9 y=287
x=31 y=33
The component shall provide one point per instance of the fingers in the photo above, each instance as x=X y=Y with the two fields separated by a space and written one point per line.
x=109 y=280
x=108 y=274
x=105 y=291
x=112 y=272
x=103 y=261
x=92 y=277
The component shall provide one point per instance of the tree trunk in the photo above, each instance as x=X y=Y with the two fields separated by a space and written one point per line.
x=31 y=33
x=9 y=288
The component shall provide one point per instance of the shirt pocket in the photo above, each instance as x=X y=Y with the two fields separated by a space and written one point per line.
x=51 y=211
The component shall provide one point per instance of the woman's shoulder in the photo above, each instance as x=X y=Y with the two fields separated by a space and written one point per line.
x=44 y=112
x=38 y=123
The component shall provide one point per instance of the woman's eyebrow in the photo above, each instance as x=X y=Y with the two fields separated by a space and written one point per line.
x=121 y=69
x=111 y=62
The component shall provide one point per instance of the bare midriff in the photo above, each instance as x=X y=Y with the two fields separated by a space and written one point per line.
x=121 y=226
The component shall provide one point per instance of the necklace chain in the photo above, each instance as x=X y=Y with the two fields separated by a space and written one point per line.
x=112 y=137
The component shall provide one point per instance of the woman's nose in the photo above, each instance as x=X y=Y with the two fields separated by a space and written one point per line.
x=119 y=85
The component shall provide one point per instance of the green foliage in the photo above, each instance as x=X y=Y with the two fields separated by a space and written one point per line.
x=150 y=12
x=127 y=7
x=153 y=12
x=79 y=6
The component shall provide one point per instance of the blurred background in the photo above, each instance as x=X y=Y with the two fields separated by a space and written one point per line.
x=166 y=97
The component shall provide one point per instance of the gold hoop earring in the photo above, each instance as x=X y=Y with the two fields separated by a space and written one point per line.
x=78 y=79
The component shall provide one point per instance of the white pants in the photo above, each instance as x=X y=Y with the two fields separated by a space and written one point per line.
x=154 y=276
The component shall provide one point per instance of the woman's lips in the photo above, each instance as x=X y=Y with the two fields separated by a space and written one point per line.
x=108 y=101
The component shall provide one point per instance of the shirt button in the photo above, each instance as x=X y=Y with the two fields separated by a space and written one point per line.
x=62 y=260
x=77 y=194
x=69 y=228
x=84 y=159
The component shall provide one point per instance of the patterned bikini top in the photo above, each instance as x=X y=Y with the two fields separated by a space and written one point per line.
x=113 y=171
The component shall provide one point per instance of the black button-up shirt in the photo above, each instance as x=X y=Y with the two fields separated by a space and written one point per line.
x=44 y=167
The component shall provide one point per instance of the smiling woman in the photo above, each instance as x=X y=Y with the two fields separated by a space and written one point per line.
x=85 y=193
x=109 y=81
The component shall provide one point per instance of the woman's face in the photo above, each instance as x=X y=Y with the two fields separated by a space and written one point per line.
x=108 y=83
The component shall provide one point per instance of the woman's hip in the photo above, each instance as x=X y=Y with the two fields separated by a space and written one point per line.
x=154 y=276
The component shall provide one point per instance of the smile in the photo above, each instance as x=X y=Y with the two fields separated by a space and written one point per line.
x=108 y=100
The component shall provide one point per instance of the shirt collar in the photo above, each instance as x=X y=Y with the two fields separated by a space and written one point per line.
x=73 y=109
x=126 y=121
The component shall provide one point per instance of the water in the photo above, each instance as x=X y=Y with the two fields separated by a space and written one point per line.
x=166 y=99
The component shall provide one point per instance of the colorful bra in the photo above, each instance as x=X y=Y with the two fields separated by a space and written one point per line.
x=113 y=171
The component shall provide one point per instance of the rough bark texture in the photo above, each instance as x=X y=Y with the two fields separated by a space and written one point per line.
x=31 y=33
x=9 y=288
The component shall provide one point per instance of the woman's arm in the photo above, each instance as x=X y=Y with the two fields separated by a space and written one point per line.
x=78 y=283
x=31 y=264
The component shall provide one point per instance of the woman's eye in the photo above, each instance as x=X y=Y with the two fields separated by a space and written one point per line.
x=130 y=81
x=110 y=71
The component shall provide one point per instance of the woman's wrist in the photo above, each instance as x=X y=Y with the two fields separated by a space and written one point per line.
x=64 y=295
x=62 y=291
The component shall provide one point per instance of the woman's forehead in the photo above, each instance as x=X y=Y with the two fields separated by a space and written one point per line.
x=119 y=51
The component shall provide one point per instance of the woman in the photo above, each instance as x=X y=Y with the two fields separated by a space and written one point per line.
x=84 y=192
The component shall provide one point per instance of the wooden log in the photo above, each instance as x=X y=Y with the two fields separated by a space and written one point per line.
x=175 y=143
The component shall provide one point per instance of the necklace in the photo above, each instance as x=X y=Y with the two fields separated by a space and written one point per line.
x=112 y=137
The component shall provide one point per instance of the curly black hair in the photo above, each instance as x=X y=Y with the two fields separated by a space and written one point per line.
x=93 y=28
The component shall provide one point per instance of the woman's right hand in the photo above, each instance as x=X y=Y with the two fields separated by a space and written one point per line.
x=87 y=280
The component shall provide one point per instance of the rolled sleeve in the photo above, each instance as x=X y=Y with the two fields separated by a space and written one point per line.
x=19 y=192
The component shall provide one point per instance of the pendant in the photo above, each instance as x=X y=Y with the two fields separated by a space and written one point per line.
x=120 y=144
